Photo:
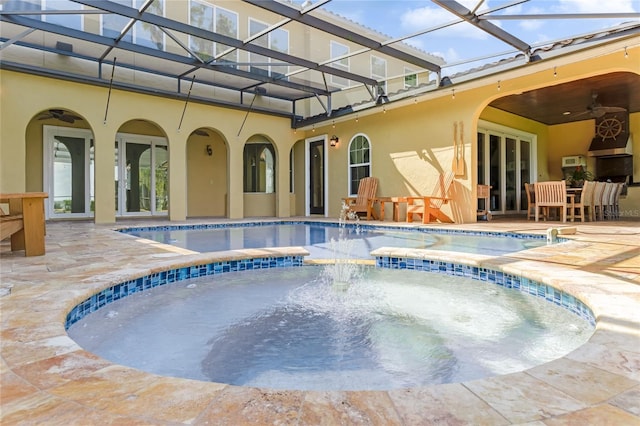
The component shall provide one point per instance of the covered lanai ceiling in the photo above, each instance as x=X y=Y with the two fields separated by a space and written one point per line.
x=115 y=58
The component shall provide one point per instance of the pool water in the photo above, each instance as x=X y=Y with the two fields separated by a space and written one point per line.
x=291 y=328
x=316 y=238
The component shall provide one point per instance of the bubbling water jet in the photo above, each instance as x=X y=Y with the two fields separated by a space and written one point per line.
x=345 y=270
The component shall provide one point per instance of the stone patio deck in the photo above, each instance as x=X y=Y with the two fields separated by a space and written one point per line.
x=46 y=378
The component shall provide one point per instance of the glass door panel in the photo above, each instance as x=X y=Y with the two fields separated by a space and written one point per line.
x=138 y=177
x=481 y=160
x=495 y=172
x=525 y=171
x=506 y=161
x=117 y=179
x=161 y=184
x=68 y=172
x=63 y=178
x=316 y=177
x=482 y=169
x=92 y=196
x=510 y=175
x=142 y=175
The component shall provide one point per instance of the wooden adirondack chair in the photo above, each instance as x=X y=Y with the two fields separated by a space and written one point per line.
x=428 y=207
x=362 y=204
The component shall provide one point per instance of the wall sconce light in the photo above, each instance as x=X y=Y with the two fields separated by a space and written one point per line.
x=209 y=150
x=334 y=140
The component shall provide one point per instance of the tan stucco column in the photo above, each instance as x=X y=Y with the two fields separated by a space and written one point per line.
x=283 y=199
x=178 y=176
x=15 y=118
x=13 y=153
x=236 y=187
x=104 y=180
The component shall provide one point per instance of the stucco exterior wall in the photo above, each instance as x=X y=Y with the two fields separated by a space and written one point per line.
x=412 y=140
x=25 y=96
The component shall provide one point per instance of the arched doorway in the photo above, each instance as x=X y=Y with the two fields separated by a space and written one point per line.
x=207 y=174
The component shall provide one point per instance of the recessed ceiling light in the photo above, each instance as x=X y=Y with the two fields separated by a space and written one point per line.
x=566 y=113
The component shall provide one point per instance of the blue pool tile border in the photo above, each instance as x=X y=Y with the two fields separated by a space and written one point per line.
x=348 y=225
x=503 y=279
x=136 y=285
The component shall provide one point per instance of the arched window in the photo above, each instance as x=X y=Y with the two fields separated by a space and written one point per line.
x=259 y=168
x=359 y=162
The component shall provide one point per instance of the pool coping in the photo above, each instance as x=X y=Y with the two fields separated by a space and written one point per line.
x=337 y=223
x=65 y=378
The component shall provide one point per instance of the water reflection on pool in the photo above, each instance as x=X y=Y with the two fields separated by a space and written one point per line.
x=316 y=238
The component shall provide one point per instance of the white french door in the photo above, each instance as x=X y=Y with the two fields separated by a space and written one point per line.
x=68 y=172
x=142 y=175
x=506 y=161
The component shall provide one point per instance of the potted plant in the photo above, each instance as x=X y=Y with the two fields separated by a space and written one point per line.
x=578 y=176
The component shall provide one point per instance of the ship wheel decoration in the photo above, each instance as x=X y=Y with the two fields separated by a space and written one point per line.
x=609 y=128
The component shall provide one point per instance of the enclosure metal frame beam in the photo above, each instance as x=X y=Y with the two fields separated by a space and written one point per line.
x=132 y=47
x=486 y=26
x=161 y=21
x=322 y=25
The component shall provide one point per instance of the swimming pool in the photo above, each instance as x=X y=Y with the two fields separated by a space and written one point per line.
x=316 y=238
x=334 y=241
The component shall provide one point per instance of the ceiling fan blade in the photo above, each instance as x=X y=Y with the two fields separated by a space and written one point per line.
x=613 y=109
x=60 y=114
x=580 y=114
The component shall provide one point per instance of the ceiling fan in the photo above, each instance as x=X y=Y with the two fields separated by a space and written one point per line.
x=596 y=110
x=60 y=114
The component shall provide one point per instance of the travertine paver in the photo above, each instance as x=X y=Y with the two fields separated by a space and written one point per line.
x=45 y=378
